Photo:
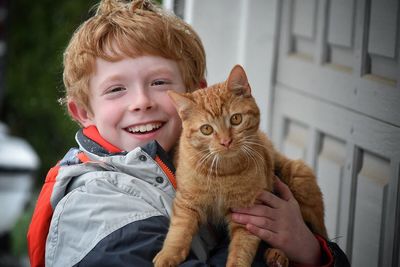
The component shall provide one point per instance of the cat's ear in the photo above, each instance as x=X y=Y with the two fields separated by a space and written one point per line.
x=238 y=82
x=182 y=103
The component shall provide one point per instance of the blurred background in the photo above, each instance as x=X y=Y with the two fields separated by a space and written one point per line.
x=34 y=129
x=325 y=74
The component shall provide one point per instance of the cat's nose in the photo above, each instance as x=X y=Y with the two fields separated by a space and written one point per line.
x=226 y=142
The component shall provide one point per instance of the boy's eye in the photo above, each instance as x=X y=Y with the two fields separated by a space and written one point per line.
x=158 y=82
x=206 y=129
x=236 y=119
x=115 y=89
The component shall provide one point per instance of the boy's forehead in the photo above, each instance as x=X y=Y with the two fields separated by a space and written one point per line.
x=145 y=64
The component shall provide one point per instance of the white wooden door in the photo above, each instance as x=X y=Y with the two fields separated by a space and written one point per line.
x=236 y=32
x=337 y=105
x=328 y=87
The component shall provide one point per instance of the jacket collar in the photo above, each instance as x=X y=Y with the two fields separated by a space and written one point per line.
x=90 y=140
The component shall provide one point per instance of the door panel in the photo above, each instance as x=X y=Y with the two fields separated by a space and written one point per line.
x=337 y=105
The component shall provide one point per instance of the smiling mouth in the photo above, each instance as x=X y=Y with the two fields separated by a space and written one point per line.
x=144 y=128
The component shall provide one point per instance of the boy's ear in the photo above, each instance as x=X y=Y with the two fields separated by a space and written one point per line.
x=238 y=82
x=79 y=114
x=183 y=104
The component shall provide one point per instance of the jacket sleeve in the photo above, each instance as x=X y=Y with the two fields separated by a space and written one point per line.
x=135 y=244
x=331 y=255
x=339 y=257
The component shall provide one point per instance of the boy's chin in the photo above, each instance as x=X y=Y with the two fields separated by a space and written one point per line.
x=130 y=147
x=165 y=148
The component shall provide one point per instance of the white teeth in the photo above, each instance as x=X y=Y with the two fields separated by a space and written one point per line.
x=144 y=128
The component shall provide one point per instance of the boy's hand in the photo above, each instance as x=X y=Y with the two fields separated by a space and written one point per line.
x=278 y=221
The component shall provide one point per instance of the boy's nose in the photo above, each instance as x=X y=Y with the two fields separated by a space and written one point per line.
x=141 y=101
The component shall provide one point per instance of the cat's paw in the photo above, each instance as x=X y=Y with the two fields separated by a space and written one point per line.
x=168 y=258
x=276 y=258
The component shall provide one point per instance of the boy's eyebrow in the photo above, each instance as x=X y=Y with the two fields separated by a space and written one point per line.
x=161 y=70
x=109 y=79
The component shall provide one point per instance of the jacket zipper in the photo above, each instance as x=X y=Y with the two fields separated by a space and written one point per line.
x=167 y=171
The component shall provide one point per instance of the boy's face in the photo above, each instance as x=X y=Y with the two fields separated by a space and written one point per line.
x=130 y=103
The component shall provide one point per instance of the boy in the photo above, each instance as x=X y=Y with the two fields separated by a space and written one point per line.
x=108 y=203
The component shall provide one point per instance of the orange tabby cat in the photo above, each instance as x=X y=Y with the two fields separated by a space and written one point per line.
x=223 y=162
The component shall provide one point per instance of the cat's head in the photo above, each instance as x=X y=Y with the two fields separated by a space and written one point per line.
x=222 y=118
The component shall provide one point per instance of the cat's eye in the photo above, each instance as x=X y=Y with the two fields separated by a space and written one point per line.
x=236 y=119
x=206 y=129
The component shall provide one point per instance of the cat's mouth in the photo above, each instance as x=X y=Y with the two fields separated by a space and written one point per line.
x=144 y=128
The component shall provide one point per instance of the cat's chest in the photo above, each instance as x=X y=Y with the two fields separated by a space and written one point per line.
x=222 y=197
x=220 y=206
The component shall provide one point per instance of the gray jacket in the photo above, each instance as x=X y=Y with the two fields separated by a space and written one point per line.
x=110 y=204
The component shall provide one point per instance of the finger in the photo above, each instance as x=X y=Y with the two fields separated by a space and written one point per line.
x=256 y=210
x=269 y=199
x=262 y=233
x=262 y=222
x=282 y=190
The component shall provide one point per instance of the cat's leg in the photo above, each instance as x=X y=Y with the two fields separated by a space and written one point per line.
x=184 y=225
x=243 y=246
x=302 y=182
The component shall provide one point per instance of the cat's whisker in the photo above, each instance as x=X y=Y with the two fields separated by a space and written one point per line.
x=252 y=141
x=247 y=156
x=206 y=157
x=203 y=159
x=248 y=144
x=254 y=155
x=196 y=155
x=252 y=158
x=252 y=136
x=257 y=154
x=216 y=166
x=215 y=160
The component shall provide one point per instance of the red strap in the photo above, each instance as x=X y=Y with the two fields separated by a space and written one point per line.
x=40 y=223
x=94 y=134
